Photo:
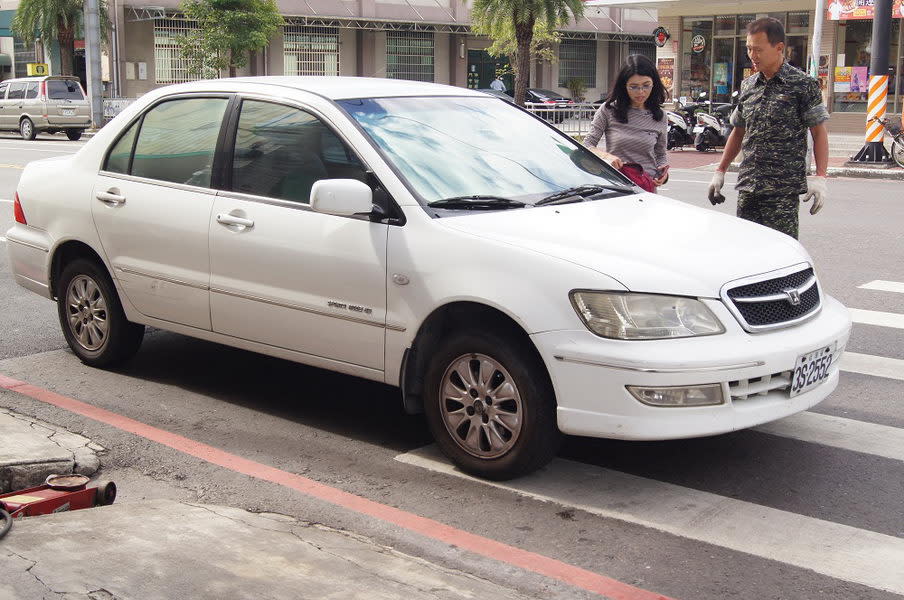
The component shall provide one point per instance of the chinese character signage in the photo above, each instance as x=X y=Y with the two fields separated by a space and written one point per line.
x=840 y=10
x=666 y=68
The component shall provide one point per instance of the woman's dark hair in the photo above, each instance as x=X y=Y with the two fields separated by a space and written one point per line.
x=619 y=102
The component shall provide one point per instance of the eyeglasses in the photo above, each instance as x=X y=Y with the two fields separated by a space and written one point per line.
x=640 y=88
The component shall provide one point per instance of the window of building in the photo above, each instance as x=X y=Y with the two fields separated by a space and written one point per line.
x=577 y=60
x=280 y=152
x=24 y=53
x=696 y=58
x=409 y=55
x=178 y=139
x=169 y=66
x=851 y=81
x=310 y=50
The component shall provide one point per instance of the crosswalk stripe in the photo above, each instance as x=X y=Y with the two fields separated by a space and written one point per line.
x=839 y=551
x=884 y=286
x=875 y=317
x=878 y=366
x=839 y=432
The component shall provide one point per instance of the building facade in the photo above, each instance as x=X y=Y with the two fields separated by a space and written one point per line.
x=706 y=50
x=424 y=40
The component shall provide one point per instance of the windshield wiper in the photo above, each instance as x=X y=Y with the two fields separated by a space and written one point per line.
x=476 y=202
x=580 y=192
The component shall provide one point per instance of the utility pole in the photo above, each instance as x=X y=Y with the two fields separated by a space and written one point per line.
x=873 y=150
x=817 y=38
x=92 y=62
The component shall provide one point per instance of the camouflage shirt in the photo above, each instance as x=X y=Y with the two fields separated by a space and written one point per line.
x=776 y=114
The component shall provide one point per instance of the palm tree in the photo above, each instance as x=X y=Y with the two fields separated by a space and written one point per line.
x=55 y=19
x=523 y=15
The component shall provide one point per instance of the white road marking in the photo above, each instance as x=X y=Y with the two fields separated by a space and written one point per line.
x=58 y=151
x=874 y=317
x=884 y=286
x=878 y=366
x=838 y=432
x=832 y=549
x=2 y=239
x=5 y=200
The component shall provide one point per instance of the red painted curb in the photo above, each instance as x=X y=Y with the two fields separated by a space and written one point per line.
x=531 y=561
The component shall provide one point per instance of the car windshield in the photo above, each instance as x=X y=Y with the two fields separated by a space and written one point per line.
x=448 y=147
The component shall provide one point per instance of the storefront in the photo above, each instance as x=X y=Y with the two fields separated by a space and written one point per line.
x=853 y=50
x=707 y=53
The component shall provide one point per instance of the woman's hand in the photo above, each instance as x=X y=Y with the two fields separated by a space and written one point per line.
x=663 y=177
x=609 y=158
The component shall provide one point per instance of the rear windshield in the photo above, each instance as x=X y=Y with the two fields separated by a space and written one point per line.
x=64 y=89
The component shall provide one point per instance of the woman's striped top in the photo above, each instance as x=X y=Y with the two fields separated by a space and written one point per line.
x=641 y=140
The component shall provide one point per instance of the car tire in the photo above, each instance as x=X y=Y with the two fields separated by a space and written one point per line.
x=91 y=316
x=27 y=129
x=501 y=422
x=74 y=134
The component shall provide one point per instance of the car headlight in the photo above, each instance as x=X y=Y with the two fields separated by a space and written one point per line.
x=626 y=316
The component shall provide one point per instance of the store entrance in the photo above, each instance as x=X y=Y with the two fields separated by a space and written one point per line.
x=482 y=70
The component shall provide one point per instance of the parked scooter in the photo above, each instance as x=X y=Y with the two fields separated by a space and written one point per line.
x=679 y=134
x=713 y=128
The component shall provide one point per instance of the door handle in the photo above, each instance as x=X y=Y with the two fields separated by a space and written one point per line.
x=233 y=220
x=111 y=197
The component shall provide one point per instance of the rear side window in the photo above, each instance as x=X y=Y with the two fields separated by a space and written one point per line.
x=16 y=91
x=178 y=139
x=64 y=89
x=3 y=87
x=31 y=91
x=118 y=159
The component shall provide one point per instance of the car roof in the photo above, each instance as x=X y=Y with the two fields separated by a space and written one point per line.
x=39 y=78
x=334 y=88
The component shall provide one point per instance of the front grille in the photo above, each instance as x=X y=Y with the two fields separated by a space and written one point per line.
x=767 y=304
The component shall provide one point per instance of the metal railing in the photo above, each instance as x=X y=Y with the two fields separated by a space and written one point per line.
x=573 y=119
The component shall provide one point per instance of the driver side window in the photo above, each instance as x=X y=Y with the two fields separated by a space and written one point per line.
x=281 y=151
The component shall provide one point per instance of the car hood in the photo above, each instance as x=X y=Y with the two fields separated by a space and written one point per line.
x=647 y=242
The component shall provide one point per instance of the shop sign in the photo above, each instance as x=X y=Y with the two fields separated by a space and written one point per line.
x=660 y=36
x=666 y=68
x=841 y=10
x=698 y=44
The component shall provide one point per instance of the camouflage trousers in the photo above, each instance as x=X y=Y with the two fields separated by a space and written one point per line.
x=778 y=212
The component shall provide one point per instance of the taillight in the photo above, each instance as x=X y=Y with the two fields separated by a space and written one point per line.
x=550 y=101
x=18 y=212
x=44 y=91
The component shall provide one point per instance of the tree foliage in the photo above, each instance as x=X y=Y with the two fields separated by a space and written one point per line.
x=227 y=31
x=542 y=45
x=517 y=19
x=55 y=20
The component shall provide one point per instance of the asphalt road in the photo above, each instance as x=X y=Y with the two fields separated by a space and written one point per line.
x=810 y=508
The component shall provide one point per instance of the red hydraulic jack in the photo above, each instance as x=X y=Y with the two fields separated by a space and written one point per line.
x=58 y=494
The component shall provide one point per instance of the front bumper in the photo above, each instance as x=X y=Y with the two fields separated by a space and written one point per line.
x=590 y=373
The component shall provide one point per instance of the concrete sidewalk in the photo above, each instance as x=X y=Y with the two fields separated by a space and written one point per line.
x=163 y=549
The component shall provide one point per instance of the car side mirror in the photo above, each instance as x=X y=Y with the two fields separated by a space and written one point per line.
x=342 y=197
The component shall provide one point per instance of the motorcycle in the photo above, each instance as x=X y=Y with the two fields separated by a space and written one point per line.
x=713 y=128
x=679 y=134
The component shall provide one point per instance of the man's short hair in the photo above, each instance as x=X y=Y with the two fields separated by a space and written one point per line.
x=772 y=27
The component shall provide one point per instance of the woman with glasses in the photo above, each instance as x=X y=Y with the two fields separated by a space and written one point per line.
x=633 y=124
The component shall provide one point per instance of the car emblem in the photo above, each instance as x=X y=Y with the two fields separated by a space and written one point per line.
x=793 y=297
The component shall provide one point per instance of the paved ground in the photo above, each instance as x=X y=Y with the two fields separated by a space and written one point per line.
x=805 y=508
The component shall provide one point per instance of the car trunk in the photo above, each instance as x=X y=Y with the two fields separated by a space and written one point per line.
x=66 y=102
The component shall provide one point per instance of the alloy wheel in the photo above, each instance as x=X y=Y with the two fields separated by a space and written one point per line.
x=86 y=310
x=480 y=406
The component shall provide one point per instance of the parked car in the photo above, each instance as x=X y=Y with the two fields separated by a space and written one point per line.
x=508 y=281
x=498 y=93
x=550 y=105
x=50 y=104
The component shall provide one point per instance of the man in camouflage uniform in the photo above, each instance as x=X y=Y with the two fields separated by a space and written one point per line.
x=776 y=107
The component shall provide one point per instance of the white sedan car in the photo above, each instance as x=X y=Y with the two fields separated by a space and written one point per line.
x=511 y=284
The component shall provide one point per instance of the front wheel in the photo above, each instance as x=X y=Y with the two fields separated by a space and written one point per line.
x=490 y=405
x=897 y=152
x=74 y=134
x=92 y=318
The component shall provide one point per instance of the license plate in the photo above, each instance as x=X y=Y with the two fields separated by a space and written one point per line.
x=68 y=112
x=698 y=129
x=811 y=369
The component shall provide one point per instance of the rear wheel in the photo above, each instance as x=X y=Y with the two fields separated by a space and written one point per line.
x=27 y=129
x=490 y=405
x=74 y=134
x=92 y=318
x=897 y=151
